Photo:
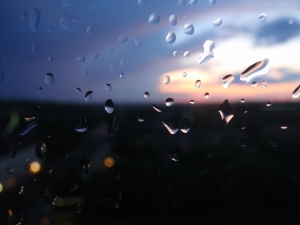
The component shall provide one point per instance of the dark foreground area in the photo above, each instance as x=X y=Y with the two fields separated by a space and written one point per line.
x=122 y=171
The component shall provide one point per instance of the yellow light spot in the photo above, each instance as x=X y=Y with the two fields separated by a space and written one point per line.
x=34 y=167
x=109 y=162
x=1 y=187
x=10 y=212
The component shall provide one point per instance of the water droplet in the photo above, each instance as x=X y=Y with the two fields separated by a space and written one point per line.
x=243 y=128
x=174 y=53
x=243 y=100
x=262 y=17
x=50 y=59
x=264 y=84
x=193 y=2
x=142 y=2
x=76 y=208
x=27 y=167
x=167 y=79
x=35 y=48
x=108 y=87
x=49 y=170
x=206 y=95
x=175 y=154
x=95 y=55
x=171 y=124
x=122 y=75
x=23 y=15
x=141 y=118
x=123 y=38
x=156 y=108
x=225 y=111
x=154 y=18
x=110 y=50
x=243 y=142
x=186 y=54
x=171 y=37
x=212 y=2
x=30 y=123
x=74 y=188
x=84 y=73
x=49 y=79
x=82 y=124
x=39 y=90
x=184 y=74
x=296 y=92
x=35 y=16
x=81 y=58
x=88 y=96
x=115 y=201
x=90 y=30
x=197 y=84
x=207 y=53
x=185 y=125
x=10 y=171
x=218 y=22
x=66 y=21
x=78 y=90
x=192 y=102
x=123 y=62
x=109 y=106
x=41 y=150
x=181 y=2
x=227 y=80
x=188 y=29
x=274 y=142
x=85 y=165
x=173 y=20
x=283 y=127
x=257 y=69
x=169 y=101
x=146 y=95
x=254 y=84
x=66 y=3
x=138 y=42
x=291 y=21
x=268 y=104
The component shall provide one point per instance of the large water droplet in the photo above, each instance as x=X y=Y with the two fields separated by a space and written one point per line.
x=30 y=123
x=66 y=21
x=156 y=108
x=185 y=125
x=66 y=3
x=76 y=208
x=218 y=22
x=35 y=16
x=227 y=80
x=138 y=42
x=254 y=84
x=257 y=69
x=108 y=87
x=207 y=53
x=167 y=79
x=268 y=104
x=171 y=37
x=88 y=96
x=123 y=38
x=197 y=84
x=49 y=79
x=85 y=165
x=173 y=20
x=188 y=29
x=82 y=124
x=181 y=2
x=154 y=18
x=264 y=84
x=262 y=17
x=169 y=101
x=186 y=54
x=206 y=95
x=174 y=53
x=193 y=2
x=23 y=15
x=212 y=2
x=171 y=124
x=41 y=150
x=296 y=92
x=81 y=58
x=184 y=74
x=109 y=106
x=225 y=111
x=141 y=118
x=175 y=154
x=89 y=30
x=142 y=2
x=243 y=100
x=35 y=48
x=146 y=95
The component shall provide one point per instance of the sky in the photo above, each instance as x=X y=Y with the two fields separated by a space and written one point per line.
x=240 y=41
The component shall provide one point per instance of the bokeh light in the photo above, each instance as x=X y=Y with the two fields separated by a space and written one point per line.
x=34 y=167
x=109 y=162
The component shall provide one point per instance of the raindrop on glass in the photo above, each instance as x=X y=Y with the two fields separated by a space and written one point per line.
x=35 y=48
x=35 y=16
x=185 y=125
x=66 y=3
x=181 y=2
x=243 y=142
x=90 y=30
x=174 y=53
x=193 y=2
x=225 y=111
x=283 y=127
x=146 y=95
x=262 y=17
x=138 y=42
x=206 y=95
x=122 y=75
x=169 y=101
x=88 y=96
x=218 y=22
x=197 y=84
x=74 y=188
x=175 y=154
x=109 y=106
x=167 y=79
x=76 y=208
x=81 y=58
x=184 y=74
x=268 y=104
x=82 y=124
x=141 y=118
x=10 y=171
x=49 y=170
x=95 y=55
x=257 y=69
x=123 y=62
x=123 y=38
x=108 y=87
x=296 y=92
x=188 y=29
x=27 y=167
x=207 y=53
x=110 y=50
x=212 y=2
x=227 y=80
x=142 y=2
x=23 y=15
x=30 y=123
x=254 y=84
x=171 y=124
x=154 y=18
x=186 y=54
x=41 y=150
x=39 y=90
x=50 y=59
x=273 y=142
x=84 y=73
x=78 y=90
x=291 y=21
x=156 y=108
x=243 y=100
x=112 y=68
x=173 y=20
x=192 y=102
x=85 y=165
x=67 y=20
x=171 y=37
x=264 y=84
x=49 y=79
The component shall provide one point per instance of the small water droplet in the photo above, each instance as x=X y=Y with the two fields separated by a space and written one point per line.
x=66 y=3
x=283 y=127
x=243 y=100
x=39 y=90
x=225 y=113
x=206 y=95
x=142 y=2
x=156 y=108
x=10 y=171
x=154 y=18
x=78 y=90
x=175 y=154
x=110 y=50
x=23 y=15
x=88 y=96
x=41 y=150
x=81 y=58
x=35 y=16
x=171 y=37
x=76 y=208
x=171 y=124
x=268 y=104
x=257 y=69
x=207 y=53
x=262 y=17
x=296 y=92
x=192 y=102
x=169 y=101
x=184 y=74
x=146 y=95
x=174 y=53
x=122 y=75
x=264 y=84
x=108 y=87
x=186 y=54
x=141 y=118
x=254 y=84
x=109 y=106
x=123 y=38
x=50 y=59
x=27 y=167
x=243 y=128
x=84 y=73
x=193 y=2
x=173 y=20
x=273 y=142
x=112 y=68
x=181 y=2
x=166 y=79
x=243 y=142
x=82 y=124
x=74 y=188
x=188 y=29
x=85 y=165
x=49 y=170
x=212 y=2
x=35 y=47
x=95 y=55
x=185 y=125
x=123 y=62
x=49 y=79
x=67 y=20
x=90 y=30
x=291 y=21
x=218 y=22
x=197 y=84
x=227 y=80
x=30 y=123
x=138 y=42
